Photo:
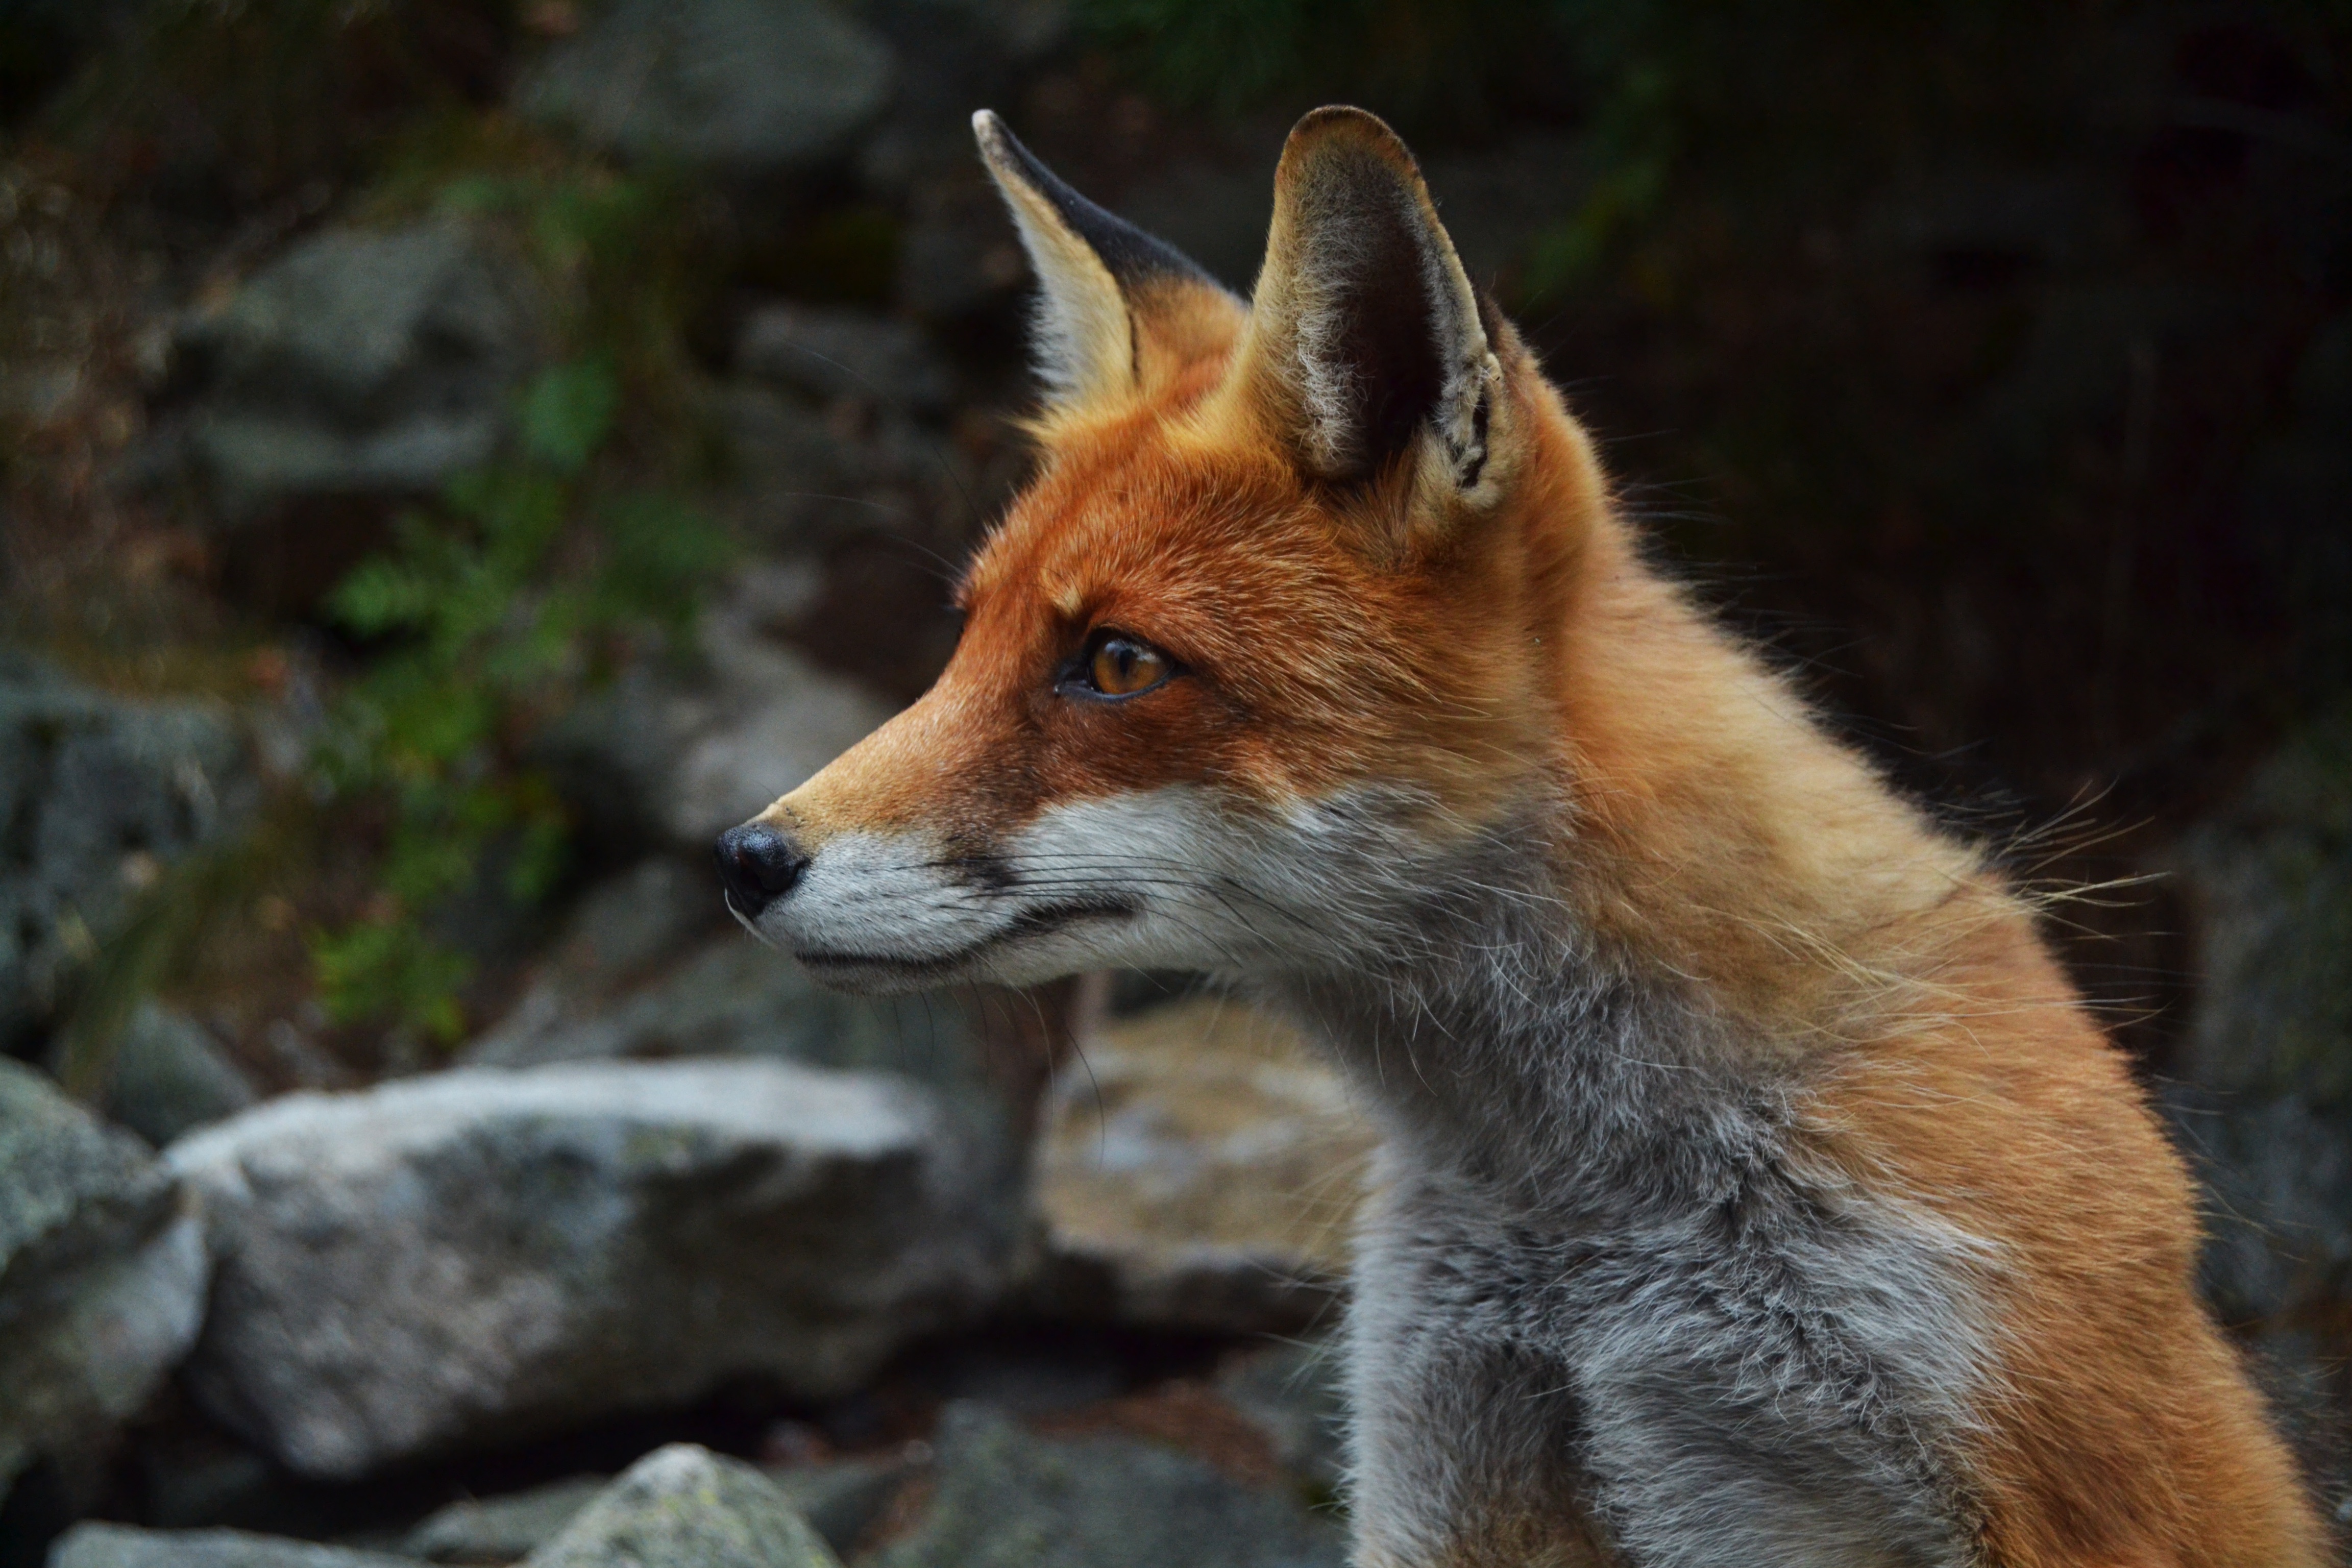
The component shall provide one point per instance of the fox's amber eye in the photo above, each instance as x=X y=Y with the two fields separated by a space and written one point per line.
x=1121 y=666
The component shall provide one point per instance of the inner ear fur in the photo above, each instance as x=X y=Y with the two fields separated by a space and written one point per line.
x=1118 y=310
x=1366 y=342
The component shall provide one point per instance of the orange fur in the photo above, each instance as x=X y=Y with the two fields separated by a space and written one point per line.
x=1482 y=647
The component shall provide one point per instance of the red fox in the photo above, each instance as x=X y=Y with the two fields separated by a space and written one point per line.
x=1754 y=1188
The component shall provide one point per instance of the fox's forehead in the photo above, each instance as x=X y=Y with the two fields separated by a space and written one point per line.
x=1135 y=511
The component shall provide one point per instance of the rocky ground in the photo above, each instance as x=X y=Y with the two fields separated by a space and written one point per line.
x=660 y=1255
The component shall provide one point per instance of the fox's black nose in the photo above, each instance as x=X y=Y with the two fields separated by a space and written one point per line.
x=758 y=865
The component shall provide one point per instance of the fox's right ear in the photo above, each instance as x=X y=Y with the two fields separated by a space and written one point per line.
x=1117 y=307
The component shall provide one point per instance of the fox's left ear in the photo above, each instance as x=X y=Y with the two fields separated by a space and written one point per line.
x=1365 y=344
x=1117 y=307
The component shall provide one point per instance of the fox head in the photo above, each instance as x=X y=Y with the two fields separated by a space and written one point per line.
x=1272 y=634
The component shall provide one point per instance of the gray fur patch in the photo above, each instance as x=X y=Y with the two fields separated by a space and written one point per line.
x=1601 y=1269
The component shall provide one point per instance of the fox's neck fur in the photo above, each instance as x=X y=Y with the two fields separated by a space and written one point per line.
x=1586 y=1027
x=1586 y=1069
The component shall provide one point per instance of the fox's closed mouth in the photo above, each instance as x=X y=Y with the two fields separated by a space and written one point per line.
x=1036 y=921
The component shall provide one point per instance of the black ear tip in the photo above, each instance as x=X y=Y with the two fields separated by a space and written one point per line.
x=1130 y=253
x=1008 y=157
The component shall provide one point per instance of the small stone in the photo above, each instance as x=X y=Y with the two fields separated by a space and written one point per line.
x=441 y=1261
x=170 y=1078
x=761 y=87
x=123 y=1546
x=70 y=1188
x=501 y=1529
x=685 y=1506
x=1201 y=1175
x=838 y=1498
x=1007 y=1499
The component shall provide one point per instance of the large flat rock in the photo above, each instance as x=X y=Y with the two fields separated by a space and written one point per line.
x=440 y=1262
x=126 y=1546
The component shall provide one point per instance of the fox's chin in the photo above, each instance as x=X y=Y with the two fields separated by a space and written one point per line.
x=867 y=974
x=1049 y=942
x=871 y=975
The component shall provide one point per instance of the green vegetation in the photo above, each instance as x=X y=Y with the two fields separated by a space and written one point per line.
x=495 y=609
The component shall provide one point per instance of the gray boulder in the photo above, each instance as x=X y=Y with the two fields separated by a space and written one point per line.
x=1007 y=1499
x=359 y=363
x=101 y=1277
x=122 y=1546
x=438 y=1262
x=171 y=1078
x=685 y=1507
x=657 y=756
x=97 y=793
x=759 y=87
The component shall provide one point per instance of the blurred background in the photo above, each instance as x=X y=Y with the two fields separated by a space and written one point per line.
x=457 y=455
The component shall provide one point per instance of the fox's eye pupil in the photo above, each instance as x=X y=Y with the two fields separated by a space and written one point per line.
x=1122 y=667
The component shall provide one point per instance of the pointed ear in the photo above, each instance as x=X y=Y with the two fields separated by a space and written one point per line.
x=1116 y=307
x=1365 y=337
